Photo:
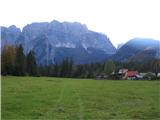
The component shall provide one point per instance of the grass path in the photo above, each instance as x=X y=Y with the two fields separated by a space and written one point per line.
x=59 y=107
x=56 y=106
x=81 y=106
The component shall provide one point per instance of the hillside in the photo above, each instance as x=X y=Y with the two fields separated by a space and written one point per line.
x=138 y=49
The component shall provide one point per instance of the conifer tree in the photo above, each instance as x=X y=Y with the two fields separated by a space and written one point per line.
x=31 y=66
x=109 y=67
x=20 y=61
x=8 y=60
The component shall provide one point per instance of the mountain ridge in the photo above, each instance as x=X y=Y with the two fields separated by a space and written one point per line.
x=44 y=38
x=137 y=47
x=53 y=41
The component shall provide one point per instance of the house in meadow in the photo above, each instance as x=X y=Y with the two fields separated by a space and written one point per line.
x=132 y=75
x=122 y=73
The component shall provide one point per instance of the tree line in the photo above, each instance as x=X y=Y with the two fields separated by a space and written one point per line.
x=15 y=62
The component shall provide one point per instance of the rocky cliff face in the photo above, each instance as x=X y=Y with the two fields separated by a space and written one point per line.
x=9 y=35
x=54 y=41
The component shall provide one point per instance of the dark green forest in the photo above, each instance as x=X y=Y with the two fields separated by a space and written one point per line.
x=15 y=62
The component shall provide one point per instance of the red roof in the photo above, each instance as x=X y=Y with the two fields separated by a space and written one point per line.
x=132 y=73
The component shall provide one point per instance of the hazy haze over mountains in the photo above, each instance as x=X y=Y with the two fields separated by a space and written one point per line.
x=138 y=49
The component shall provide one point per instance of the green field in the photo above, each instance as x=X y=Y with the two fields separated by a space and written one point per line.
x=79 y=99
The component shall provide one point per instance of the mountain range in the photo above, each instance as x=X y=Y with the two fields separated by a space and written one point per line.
x=54 y=41
x=138 y=49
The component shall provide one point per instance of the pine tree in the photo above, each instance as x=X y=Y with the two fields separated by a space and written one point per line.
x=66 y=67
x=20 y=61
x=56 y=70
x=70 y=67
x=109 y=67
x=8 y=60
x=156 y=66
x=31 y=66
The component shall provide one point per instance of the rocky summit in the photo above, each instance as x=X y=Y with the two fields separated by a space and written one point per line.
x=54 y=41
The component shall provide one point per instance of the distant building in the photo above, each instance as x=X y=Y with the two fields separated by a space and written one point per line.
x=150 y=76
x=129 y=75
x=158 y=75
x=142 y=74
x=132 y=75
x=102 y=76
x=122 y=73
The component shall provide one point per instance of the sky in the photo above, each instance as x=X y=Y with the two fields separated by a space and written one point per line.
x=120 y=20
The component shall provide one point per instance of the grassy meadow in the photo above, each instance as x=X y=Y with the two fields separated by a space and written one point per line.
x=47 y=98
